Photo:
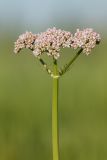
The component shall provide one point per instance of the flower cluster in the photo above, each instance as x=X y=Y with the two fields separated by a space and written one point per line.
x=54 y=39
x=25 y=40
x=51 y=42
x=86 y=39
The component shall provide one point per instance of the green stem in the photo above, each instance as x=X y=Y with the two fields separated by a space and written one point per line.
x=66 y=67
x=45 y=67
x=55 y=135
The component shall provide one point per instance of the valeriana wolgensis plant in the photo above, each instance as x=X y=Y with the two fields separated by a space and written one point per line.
x=50 y=43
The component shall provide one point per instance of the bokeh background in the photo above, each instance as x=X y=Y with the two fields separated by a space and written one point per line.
x=25 y=88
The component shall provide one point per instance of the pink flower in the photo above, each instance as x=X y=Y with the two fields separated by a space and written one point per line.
x=51 y=41
x=86 y=39
x=25 y=40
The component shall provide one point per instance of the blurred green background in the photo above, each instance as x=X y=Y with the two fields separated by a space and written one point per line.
x=25 y=88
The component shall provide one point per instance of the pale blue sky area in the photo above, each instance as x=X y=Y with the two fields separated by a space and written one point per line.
x=44 y=13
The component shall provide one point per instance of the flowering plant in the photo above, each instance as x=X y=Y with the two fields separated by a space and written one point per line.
x=50 y=43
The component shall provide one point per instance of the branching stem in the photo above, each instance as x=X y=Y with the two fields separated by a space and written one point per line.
x=67 y=66
x=45 y=67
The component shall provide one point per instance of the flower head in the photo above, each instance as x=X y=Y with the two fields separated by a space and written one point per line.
x=86 y=39
x=25 y=40
x=51 y=42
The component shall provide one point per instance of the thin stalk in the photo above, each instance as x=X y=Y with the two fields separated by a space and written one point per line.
x=66 y=67
x=55 y=133
x=46 y=67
